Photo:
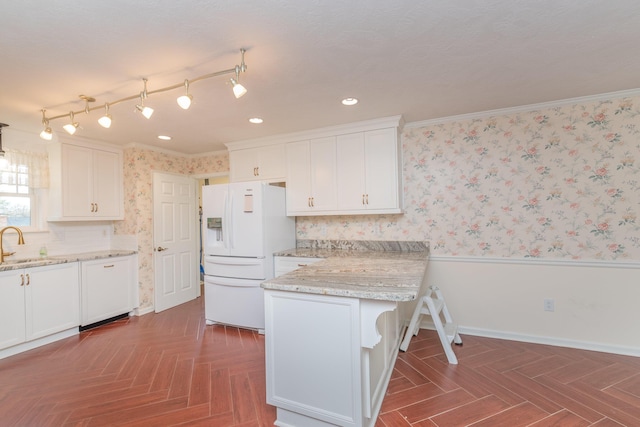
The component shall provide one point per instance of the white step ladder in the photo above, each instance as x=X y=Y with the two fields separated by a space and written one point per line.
x=432 y=304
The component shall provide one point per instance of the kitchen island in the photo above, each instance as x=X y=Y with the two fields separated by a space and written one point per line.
x=333 y=329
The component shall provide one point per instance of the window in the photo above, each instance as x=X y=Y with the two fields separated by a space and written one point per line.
x=15 y=198
x=21 y=178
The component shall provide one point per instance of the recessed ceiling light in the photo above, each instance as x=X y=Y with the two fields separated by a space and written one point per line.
x=350 y=101
x=164 y=137
x=256 y=120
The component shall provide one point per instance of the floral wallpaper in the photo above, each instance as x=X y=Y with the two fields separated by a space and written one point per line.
x=561 y=182
x=139 y=165
x=556 y=183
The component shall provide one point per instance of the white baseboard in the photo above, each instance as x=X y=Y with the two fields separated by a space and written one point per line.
x=30 y=345
x=142 y=311
x=581 y=345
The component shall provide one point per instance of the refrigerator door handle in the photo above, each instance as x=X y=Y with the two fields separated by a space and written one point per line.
x=230 y=220
x=225 y=219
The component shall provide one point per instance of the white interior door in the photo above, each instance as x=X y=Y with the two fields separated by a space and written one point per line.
x=175 y=240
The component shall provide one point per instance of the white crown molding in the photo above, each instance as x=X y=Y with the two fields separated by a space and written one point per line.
x=175 y=153
x=385 y=122
x=524 y=108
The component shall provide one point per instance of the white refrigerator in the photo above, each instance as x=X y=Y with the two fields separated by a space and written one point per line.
x=243 y=224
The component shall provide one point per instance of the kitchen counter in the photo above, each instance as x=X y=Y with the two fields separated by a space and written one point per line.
x=333 y=328
x=16 y=264
x=390 y=271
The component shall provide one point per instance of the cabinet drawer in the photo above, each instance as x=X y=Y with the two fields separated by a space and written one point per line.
x=238 y=267
x=285 y=264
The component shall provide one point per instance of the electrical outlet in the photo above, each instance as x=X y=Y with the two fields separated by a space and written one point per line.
x=549 y=304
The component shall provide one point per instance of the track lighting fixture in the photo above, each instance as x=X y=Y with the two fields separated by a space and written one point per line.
x=184 y=101
x=46 y=133
x=72 y=126
x=105 y=121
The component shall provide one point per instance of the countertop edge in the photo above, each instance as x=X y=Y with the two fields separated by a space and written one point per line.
x=63 y=259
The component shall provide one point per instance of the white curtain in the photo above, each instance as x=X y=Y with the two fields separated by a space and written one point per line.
x=37 y=163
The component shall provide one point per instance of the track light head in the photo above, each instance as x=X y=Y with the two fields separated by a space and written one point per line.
x=238 y=89
x=105 y=121
x=184 y=101
x=146 y=111
x=72 y=126
x=46 y=133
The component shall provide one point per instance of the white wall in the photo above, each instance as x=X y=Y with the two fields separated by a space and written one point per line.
x=596 y=303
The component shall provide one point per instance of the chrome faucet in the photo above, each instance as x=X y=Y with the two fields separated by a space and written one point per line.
x=20 y=242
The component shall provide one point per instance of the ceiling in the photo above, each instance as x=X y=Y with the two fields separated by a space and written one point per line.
x=422 y=59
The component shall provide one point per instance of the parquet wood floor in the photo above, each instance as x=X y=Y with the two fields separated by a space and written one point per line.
x=170 y=369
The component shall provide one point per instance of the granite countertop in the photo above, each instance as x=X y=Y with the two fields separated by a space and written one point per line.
x=16 y=264
x=368 y=272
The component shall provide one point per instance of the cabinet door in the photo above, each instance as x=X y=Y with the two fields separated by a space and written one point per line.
x=107 y=188
x=243 y=165
x=323 y=174
x=368 y=172
x=351 y=171
x=77 y=181
x=53 y=299
x=271 y=162
x=12 y=308
x=381 y=169
x=298 y=177
x=107 y=288
x=260 y=163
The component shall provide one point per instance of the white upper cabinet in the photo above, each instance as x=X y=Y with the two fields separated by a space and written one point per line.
x=86 y=183
x=354 y=170
x=350 y=169
x=266 y=163
x=368 y=172
x=311 y=176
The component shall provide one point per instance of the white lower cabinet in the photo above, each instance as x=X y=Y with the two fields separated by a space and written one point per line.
x=108 y=287
x=328 y=359
x=37 y=302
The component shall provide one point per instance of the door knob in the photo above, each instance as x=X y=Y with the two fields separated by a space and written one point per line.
x=160 y=249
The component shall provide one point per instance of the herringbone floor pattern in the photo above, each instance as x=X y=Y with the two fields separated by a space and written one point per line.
x=170 y=369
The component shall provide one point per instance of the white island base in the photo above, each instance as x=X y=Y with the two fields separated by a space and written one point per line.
x=328 y=358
